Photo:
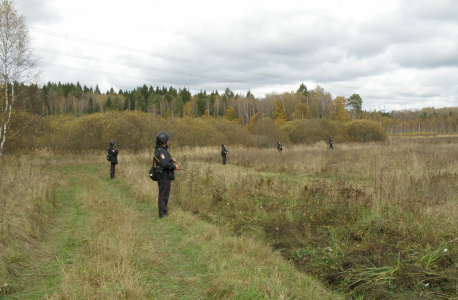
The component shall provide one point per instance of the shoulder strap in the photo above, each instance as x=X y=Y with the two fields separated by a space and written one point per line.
x=155 y=162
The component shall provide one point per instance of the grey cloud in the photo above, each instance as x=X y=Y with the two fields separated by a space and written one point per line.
x=433 y=54
x=343 y=56
x=39 y=14
x=436 y=10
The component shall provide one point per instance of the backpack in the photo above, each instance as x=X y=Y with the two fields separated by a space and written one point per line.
x=156 y=171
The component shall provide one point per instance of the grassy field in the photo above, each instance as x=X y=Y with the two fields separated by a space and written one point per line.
x=69 y=232
x=369 y=220
x=372 y=221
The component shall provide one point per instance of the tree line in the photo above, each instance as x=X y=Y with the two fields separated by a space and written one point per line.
x=69 y=98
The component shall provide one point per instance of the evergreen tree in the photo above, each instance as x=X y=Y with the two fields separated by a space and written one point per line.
x=140 y=102
x=77 y=91
x=108 y=103
x=97 y=91
x=185 y=95
x=302 y=89
x=44 y=99
x=355 y=102
x=151 y=90
x=91 y=105
x=179 y=105
x=201 y=102
x=126 y=103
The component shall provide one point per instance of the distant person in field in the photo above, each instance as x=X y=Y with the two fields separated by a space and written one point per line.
x=330 y=144
x=279 y=147
x=113 y=154
x=167 y=163
x=223 y=153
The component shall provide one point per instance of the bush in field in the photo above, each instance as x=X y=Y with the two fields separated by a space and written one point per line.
x=311 y=131
x=232 y=133
x=137 y=131
x=359 y=130
x=132 y=130
x=267 y=134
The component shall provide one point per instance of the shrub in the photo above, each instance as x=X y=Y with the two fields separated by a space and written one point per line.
x=311 y=131
x=267 y=134
x=359 y=130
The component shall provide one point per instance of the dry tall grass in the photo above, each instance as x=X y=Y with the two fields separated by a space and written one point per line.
x=370 y=219
x=27 y=201
x=107 y=246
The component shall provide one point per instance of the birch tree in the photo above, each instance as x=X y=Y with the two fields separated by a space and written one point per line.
x=18 y=65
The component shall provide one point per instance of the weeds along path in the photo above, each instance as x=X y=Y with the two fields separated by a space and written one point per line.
x=107 y=244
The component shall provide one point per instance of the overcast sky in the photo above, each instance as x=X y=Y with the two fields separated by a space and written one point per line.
x=396 y=54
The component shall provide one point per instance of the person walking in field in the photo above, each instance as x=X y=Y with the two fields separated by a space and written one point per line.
x=223 y=153
x=279 y=147
x=113 y=154
x=330 y=144
x=168 y=166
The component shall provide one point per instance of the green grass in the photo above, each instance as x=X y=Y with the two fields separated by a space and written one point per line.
x=106 y=243
x=42 y=276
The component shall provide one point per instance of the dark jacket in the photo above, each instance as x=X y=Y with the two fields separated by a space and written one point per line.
x=165 y=161
x=113 y=153
x=223 y=151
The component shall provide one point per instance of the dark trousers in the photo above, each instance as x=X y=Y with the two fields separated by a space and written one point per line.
x=112 y=171
x=163 y=197
x=223 y=159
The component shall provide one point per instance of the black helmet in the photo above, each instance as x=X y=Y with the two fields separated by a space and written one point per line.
x=112 y=143
x=223 y=144
x=162 y=137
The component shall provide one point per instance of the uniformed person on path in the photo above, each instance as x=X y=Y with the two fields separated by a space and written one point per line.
x=113 y=154
x=168 y=170
x=330 y=144
x=279 y=147
x=223 y=153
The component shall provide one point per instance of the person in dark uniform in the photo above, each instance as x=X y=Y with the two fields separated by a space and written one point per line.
x=223 y=153
x=330 y=144
x=279 y=147
x=168 y=169
x=113 y=153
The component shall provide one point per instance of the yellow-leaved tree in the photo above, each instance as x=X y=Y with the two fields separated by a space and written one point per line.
x=253 y=120
x=230 y=114
x=279 y=114
x=339 y=112
x=188 y=110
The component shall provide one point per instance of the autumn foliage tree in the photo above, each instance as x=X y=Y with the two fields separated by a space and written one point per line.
x=339 y=112
x=253 y=121
x=230 y=114
x=279 y=114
